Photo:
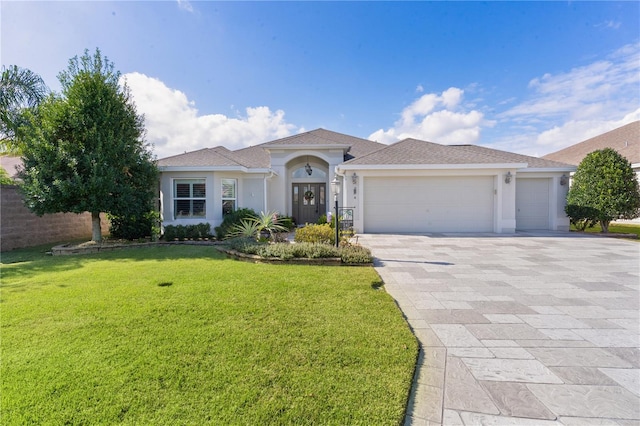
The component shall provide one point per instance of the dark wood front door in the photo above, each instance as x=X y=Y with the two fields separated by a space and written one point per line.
x=309 y=202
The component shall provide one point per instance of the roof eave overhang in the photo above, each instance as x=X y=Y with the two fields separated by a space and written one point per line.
x=475 y=166
x=241 y=169
x=547 y=169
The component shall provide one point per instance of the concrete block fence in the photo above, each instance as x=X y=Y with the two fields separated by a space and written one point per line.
x=20 y=228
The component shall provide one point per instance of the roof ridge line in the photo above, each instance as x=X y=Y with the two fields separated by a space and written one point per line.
x=183 y=153
x=224 y=154
x=286 y=137
x=386 y=146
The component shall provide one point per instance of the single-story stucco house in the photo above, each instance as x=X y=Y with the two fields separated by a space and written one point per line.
x=411 y=186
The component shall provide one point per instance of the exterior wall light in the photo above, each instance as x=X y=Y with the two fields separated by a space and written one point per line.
x=354 y=178
x=308 y=168
x=507 y=177
x=564 y=180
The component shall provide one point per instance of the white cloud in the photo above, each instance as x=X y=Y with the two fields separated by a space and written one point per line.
x=174 y=125
x=556 y=138
x=567 y=108
x=185 y=5
x=419 y=88
x=603 y=89
x=609 y=24
x=436 y=117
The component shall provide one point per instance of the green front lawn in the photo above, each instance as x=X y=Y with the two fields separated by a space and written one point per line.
x=181 y=335
x=615 y=228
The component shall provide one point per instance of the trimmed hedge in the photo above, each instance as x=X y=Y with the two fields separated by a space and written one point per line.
x=186 y=232
x=322 y=234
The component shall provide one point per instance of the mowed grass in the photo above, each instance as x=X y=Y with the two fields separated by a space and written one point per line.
x=615 y=228
x=181 y=335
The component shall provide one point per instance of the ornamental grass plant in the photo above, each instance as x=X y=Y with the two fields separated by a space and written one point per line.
x=349 y=254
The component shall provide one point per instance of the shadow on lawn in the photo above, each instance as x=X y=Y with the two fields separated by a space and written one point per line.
x=24 y=263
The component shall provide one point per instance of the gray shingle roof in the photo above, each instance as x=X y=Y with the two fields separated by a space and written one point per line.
x=254 y=156
x=361 y=152
x=258 y=156
x=218 y=156
x=625 y=140
x=321 y=137
x=11 y=165
x=417 y=152
x=511 y=157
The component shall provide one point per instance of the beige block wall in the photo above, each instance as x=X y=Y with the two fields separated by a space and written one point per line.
x=21 y=228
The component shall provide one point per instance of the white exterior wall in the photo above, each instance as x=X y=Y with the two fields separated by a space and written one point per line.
x=249 y=194
x=285 y=161
x=166 y=196
x=506 y=202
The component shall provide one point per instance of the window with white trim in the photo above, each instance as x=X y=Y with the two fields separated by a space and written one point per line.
x=189 y=198
x=228 y=196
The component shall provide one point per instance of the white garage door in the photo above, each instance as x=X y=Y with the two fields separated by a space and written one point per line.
x=532 y=204
x=428 y=204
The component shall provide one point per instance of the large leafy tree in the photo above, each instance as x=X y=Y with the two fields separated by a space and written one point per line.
x=85 y=149
x=604 y=188
x=20 y=89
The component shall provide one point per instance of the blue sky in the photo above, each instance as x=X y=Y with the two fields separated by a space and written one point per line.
x=527 y=77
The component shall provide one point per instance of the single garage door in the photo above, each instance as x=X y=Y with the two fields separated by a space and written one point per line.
x=532 y=204
x=428 y=204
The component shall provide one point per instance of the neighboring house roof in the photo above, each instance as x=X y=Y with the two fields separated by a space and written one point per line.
x=417 y=152
x=11 y=165
x=625 y=140
x=258 y=156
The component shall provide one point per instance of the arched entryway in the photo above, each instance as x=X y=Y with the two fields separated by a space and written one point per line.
x=308 y=177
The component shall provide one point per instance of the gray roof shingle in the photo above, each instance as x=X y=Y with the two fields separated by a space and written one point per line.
x=361 y=152
x=417 y=152
x=11 y=165
x=258 y=156
x=217 y=156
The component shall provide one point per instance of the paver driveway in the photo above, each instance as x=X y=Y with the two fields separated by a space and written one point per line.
x=528 y=329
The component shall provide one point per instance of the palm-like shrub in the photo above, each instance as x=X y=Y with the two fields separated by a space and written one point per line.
x=225 y=229
x=269 y=223
x=254 y=227
x=247 y=228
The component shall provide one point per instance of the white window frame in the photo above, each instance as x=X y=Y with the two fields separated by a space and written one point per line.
x=226 y=198
x=191 y=198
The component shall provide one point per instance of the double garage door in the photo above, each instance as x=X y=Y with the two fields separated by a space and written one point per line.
x=428 y=204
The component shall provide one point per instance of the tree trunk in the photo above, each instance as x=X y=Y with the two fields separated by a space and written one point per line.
x=605 y=226
x=96 y=231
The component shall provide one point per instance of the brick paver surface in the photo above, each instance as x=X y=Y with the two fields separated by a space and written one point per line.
x=532 y=329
